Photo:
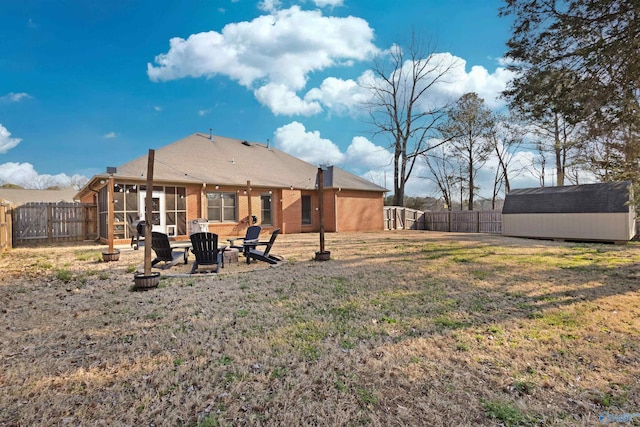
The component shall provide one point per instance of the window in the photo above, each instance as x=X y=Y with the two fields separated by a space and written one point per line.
x=265 y=209
x=306 y=210
x=221 y=207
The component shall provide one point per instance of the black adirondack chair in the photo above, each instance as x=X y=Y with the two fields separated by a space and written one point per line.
x=206 y=250
x=164 y=252
x=251 y=251
x=251 y=236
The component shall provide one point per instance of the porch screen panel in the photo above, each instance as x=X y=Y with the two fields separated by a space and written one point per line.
x=103 y=215
x=176 y=209
x=130 y=209
x=119 y=224
x=181 y=223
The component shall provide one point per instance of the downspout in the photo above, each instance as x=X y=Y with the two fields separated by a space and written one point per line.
x=249 y=215
x=335 y=209
x=203 y=199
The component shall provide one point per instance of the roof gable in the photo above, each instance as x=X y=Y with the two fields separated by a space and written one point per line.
x=218 y=160
x=607 y=197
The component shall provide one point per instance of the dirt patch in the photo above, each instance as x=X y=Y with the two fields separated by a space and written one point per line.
x=398 y=328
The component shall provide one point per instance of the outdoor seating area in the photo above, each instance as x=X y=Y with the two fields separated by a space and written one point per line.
x=209 y=256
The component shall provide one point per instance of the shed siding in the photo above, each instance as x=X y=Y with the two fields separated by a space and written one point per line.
x=575 y=226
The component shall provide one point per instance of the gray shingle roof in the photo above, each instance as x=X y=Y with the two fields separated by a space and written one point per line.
x=233 y=162
x=607 y=197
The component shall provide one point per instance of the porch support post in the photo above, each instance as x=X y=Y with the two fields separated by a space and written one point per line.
x=110 y=214
x=148 y=214
x=321 y=207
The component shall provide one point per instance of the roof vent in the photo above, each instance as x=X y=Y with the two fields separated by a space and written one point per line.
x=248 y=144
x=112 y=169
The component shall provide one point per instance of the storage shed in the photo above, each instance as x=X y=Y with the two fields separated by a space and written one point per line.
x=591 y=212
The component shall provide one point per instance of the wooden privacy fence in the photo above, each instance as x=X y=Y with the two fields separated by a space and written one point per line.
x=399 y=218
x=36 y=223
x=5 y=227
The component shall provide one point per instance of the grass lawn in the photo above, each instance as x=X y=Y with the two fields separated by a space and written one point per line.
x=398 y=328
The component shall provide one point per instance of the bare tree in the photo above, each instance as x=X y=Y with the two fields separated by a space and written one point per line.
x=78 y=181
x=507 y=138
x=538 y=165
x=401 y=107
x=444 y=173
x=41 y=182
x=469 y=126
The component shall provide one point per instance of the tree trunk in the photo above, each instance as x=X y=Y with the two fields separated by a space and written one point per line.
x=558 y=153
x=470 y=183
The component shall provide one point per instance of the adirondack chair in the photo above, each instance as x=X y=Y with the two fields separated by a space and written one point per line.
x=164 y=252
x=136 y=230
x=206 y=250
x=252 y=253
x=252 y=235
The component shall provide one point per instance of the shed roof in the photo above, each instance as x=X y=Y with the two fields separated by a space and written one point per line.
x=217 y=160
x=606 y=197
x=21 y=196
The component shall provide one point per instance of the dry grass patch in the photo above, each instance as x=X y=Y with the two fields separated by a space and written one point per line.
x=399 y=328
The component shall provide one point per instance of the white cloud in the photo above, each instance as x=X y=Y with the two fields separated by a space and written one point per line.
x=332 y=3
x=277 y=50
x=282 y=100
x=25 y=175
x=15 y=97
x=110 y=135
x=269 y=5
x=362 y=157
x=347 y=97
x=479 y=80
x=308 y=146
x=18 y=173
x=344 y=97
x=203 y=113
x=6 y=142
x=364 y=154
x=157 y=108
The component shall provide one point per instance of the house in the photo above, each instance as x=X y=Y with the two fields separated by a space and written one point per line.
x=591 y=212
x=223 y=185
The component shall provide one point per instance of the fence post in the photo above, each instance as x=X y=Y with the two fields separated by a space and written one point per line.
x=477 y=221
x=49 y=223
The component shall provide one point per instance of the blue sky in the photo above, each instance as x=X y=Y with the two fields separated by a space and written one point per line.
x=88 y=84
